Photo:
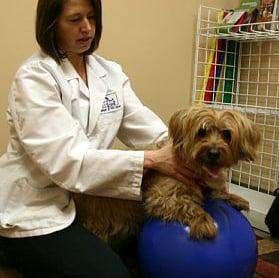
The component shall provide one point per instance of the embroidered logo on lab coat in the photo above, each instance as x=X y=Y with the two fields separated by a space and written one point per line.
x=110 y=103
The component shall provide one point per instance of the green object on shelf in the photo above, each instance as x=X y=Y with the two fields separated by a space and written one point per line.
x=230 y=70
x=250 y=5
x=245 y=14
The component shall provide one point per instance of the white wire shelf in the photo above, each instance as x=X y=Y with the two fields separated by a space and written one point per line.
x=224 y=31
x=244 y=108
x=208 y=26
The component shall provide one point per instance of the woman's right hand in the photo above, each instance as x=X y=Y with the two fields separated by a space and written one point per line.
x=165 y=161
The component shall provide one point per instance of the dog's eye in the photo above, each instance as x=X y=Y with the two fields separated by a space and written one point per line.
x=226 y=134
x=201 y=133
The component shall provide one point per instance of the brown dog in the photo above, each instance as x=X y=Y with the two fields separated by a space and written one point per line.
x=208 y=141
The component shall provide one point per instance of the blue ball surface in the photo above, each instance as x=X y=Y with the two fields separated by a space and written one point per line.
x=166 y=249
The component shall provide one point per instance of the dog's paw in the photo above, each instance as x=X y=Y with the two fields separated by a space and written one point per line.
x=203 y=227
x=238 y=202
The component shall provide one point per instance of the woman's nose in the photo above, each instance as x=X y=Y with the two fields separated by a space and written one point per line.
x=86 y=25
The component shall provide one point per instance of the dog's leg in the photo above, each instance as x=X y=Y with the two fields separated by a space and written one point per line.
x=233 y=199
x=182 y=208
x=202 y=224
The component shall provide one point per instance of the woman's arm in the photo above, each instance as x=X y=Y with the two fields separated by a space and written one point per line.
x=58 y=146
x=140 y=126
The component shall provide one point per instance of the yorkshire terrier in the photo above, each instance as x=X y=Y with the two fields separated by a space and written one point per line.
x=208 y=141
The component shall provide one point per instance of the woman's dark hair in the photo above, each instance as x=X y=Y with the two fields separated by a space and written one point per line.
x=48 y=12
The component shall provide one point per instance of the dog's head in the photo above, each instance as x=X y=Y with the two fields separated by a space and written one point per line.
x=213 y=139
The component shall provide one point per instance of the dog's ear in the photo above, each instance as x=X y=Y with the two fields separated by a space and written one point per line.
x=176 y=126
x=182 y=129
x=254 y=140
x=247 y=136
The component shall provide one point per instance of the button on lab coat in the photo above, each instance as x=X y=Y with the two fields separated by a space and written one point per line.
x=61 y=131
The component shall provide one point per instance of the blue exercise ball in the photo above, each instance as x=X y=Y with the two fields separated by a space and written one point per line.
x=166 y=249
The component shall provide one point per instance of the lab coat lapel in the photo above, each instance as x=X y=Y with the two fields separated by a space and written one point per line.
x=97 y=88
x=69 y=91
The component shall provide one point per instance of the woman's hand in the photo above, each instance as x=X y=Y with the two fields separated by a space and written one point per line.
x=164 y=161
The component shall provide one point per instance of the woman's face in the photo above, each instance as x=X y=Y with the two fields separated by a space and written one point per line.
x=76 y=27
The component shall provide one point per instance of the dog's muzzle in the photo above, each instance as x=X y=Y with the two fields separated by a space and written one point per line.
x=213 y=155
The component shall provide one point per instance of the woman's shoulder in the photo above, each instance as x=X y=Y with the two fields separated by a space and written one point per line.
x=38 y=60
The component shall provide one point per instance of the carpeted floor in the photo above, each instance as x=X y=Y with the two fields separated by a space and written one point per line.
x=268 y=260
x=267 y=267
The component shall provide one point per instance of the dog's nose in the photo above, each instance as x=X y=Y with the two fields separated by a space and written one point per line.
x=213 y=154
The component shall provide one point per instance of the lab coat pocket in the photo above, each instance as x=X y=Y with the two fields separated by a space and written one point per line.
x=12 y=206
x=112 y=110
x=27 y=205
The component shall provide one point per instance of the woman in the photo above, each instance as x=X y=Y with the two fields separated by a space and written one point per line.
x=66 y=106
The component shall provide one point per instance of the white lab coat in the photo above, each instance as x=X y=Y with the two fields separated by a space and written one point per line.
x=60 y=135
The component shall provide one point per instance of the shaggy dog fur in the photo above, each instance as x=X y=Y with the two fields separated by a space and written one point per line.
x=208 y=141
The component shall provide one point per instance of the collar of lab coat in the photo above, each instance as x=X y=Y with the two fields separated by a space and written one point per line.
x=97 y=87
x=91 y=62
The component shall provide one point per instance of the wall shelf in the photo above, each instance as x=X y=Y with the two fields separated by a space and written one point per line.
x=253 y=34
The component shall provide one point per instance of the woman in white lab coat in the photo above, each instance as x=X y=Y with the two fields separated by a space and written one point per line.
x=66 y=106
